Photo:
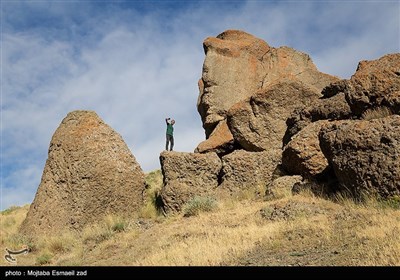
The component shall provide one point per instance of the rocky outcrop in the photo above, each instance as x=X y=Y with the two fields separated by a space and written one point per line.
x=303 y=155
x=237 y=65
x=89 y=172
x=365 y=154
x=263 y=108
x=259 y=124
x=187 y=175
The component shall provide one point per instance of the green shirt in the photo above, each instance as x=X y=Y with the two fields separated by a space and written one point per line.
x=170 y=129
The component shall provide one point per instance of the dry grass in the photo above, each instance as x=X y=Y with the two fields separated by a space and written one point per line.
x=151 y=209
x=376 y=113
x=293 y=230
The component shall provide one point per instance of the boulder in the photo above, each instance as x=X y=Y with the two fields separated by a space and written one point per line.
x=243 y=170
x=232 y=71
x=259 y=123
x=334 y=107
x=303 y=155
x=364 y=154
x=220 y=141
x=89 y=172
x=376 y=83
x=282 y=186
x=237 y=65
x=187 y=175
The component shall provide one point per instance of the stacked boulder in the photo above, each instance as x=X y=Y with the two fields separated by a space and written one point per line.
x=268 y=112
x=354 y=128
x=248 y=89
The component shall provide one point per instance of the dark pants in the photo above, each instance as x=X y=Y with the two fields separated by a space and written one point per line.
x=170 y=140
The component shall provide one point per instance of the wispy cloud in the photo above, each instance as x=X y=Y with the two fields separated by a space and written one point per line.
x=135 y=63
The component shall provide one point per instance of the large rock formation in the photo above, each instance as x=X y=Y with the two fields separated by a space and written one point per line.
x=372 y=92
x=89 y=172
x=187 y=175
x=262 y=109
x=238 y=64
x=365 y=154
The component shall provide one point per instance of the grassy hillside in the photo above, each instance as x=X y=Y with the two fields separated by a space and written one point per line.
x=294 y=230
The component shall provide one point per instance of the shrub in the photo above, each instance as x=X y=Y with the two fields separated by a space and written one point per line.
x=376 y=113
x=43 y=259
x=199 y=204
x=115 y=223
x=60 y=243
x=119 y=226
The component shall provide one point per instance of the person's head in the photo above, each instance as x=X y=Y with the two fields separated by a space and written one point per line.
x=173 y=122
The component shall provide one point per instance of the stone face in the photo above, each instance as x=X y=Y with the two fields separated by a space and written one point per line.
x=89 y=172
x=303 y=155
x=260 y=123
x=187 y=175
x=243 y=170
x=231 y=72
x=238 y=64
x=365 y=154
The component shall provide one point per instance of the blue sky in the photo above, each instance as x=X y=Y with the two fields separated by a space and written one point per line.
x=137 y=62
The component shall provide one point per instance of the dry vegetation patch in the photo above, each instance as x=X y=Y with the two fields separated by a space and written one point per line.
x=302 y=230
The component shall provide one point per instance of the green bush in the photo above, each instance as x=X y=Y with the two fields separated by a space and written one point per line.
x=119 y=226
x=199 y=204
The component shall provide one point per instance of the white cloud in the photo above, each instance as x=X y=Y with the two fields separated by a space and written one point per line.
x=134 y=70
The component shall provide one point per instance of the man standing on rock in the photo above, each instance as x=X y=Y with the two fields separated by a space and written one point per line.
x=170 y=133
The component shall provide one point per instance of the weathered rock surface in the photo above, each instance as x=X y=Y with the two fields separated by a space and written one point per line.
x=89 y=172
x=243 y=170
x=365 y=154
x=187 y=175
x=231 y=72
x=259 y=124
x=282 y=186
x=238 y=64
x=376 y=83
x=303 y=154
x=333 y=108
x=220 y=141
